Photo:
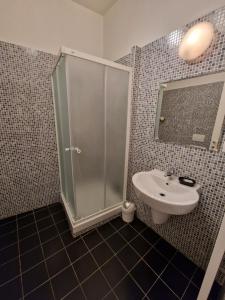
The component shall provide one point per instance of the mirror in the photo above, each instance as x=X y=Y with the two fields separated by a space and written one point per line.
x=191 y=111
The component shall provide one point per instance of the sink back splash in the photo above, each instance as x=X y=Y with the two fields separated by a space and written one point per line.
x=193 y=234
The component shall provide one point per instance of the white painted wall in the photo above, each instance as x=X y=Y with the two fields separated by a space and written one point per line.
x=138 y=22
x=48 y=24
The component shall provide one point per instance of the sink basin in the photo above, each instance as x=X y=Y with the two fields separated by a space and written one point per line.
x=166 y=196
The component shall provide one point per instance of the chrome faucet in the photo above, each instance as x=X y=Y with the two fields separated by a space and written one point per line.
x=168 y=173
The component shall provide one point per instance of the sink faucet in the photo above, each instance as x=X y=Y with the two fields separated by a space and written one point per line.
x=168 y=174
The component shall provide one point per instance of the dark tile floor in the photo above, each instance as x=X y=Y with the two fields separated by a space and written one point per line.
x=40 y=260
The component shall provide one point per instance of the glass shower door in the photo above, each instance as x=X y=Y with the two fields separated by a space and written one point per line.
x=85 y=80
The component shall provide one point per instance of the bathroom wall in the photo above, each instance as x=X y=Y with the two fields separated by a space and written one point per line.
x=28 y=156
x=49 y=24
x=132 y=22
x=193 y=234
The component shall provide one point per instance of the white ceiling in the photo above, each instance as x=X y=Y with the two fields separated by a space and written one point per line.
x=98 y=6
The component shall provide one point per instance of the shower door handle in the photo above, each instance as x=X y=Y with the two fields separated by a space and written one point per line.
x=76 y=149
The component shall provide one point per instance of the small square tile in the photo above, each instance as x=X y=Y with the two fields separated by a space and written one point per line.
x=128 y=257
x=31 y=258
x=175 y=280
x=92 y=239
x=57 y=262
x=68 y=238
x=85 y=266
x=7 y=220
x=160 y=291
x=64 y=282
x=52 y=246
x=34 y=277
x=198 y=277
x=54 y=208
x=127 y=289
x=59 y=216
x=191 y=293
x=29 y=243
x=110 y=296
x=44 y=292
x=43 y=223
x=128 y=233
x=102 y=253
x=27 y=231
x=151 y=236
x=140 y=245
x=12 y=290
x=62 y=226
x=113 y=271
x=106 y=230
x=48 y=233
x=116 y=242
x=76 y=250
x=7 y=228
x=165 y=249
x=144 y=276
x=156 y=261
x=118 y=223
x=8 y=239
x=183 y=264
x=25 y=214
x=8 y=253
x=41 y=214
x=76 y=294
x=25 y=221
x=9 y=270
x=138 y=225
x=96 y=280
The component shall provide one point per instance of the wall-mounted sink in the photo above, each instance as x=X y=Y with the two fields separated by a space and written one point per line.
x=165 y=197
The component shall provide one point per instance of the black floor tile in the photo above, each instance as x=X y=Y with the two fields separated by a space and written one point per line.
x=165 y=248
x=156 y=261
x=68 y=238
x=128 y=257
x=198 y=277
x=64 y=282
x=175 y=280
x=59 y=216
x=29 y=243
x=128 y=233
x=8 y=253
x=27 y=231
x=76 y=294
x=48 y=233
x=8 y=239
x=9 y=270
x=191 y=293
x=160 y=291
x=43 y=223
x=96 y=286
x=127 y=289
x=151 y=236
x=118 y=223
x=11 y=290
x=54 y=208
x=62 y=226
x=7 y=220
x=84 y=267
x=92 y=239
x=31 y=258
x=76 y=250
x=7 y=228
x=113 y=271
x=144 y=276
x=184 y=265
x=52 y=246
x=41 y=213
x=57 y=262
x=34 y=277
x=44 y=292
x=116 y=242
x=25 y=214
x=138 y=225
x=140 y=245
x=110 y=296
x=106 y=230
x=25 y=221
x=102 y=253
x=215 y=290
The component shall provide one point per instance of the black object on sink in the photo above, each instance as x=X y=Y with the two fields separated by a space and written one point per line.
x=187 y=181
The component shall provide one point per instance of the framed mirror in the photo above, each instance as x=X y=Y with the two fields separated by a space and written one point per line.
x=191 y=111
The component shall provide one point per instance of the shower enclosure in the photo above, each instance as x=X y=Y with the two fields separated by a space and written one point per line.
x=92 y=111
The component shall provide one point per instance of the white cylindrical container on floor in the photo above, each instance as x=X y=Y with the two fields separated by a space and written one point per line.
x=128 y=210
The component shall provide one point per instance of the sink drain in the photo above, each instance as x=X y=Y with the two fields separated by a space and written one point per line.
x=161 y=194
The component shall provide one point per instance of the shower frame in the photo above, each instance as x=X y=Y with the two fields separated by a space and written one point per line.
x=80 y=225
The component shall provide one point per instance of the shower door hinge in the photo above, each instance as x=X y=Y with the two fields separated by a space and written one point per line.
x=76 y=149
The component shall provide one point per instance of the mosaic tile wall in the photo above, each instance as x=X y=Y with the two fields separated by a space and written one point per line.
x=28 y=155
x=193 y=234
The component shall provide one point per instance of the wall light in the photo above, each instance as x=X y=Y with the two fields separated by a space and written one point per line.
x=196 y=41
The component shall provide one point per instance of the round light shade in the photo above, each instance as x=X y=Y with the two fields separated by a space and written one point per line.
x=196 y=41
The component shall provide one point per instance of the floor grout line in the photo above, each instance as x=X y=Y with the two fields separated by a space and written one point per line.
x=21 y=279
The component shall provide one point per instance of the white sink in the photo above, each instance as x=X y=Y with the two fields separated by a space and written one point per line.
x=165 y=196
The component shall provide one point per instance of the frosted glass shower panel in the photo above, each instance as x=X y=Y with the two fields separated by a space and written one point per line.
x=87 y=123
x=116 y=123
